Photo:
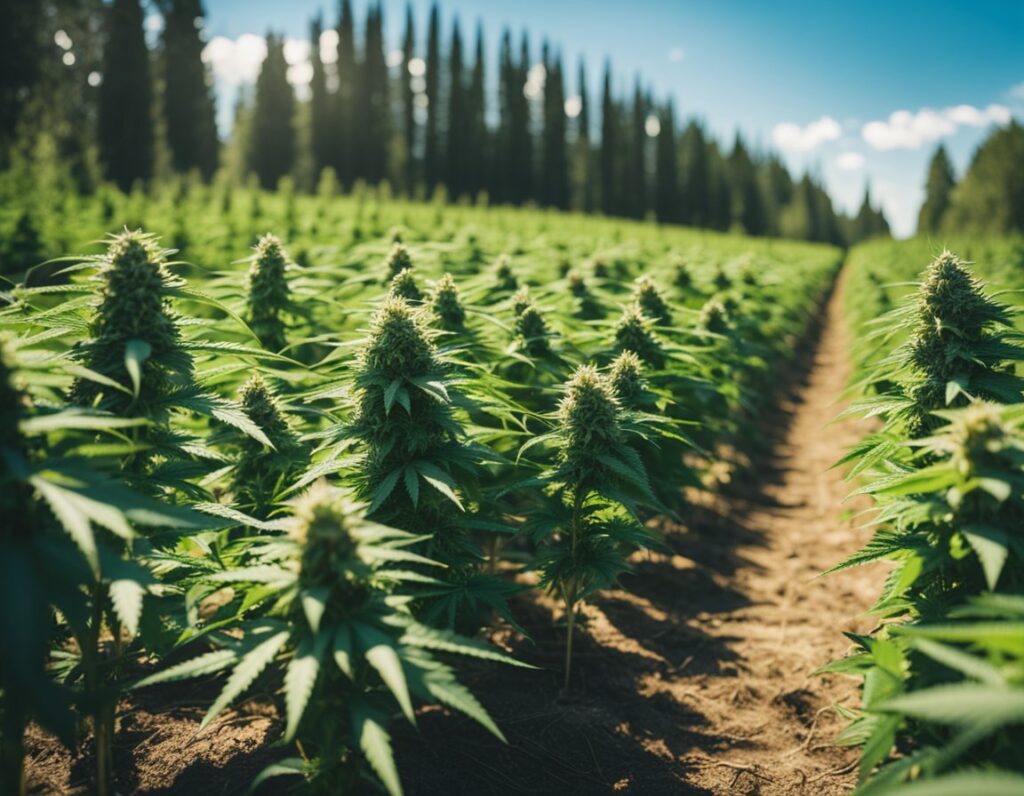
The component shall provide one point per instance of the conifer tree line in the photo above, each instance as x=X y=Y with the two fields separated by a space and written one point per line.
x=517 y=126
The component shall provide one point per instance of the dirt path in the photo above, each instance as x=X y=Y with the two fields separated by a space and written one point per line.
x=696 y=677
x=768 y=700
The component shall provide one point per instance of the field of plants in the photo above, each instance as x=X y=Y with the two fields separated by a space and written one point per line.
x=327 y=465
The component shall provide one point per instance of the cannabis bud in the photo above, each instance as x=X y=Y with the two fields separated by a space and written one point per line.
x=521 y=300
x=404 y=286
x=398 y=261
x=398 y=345
x=268 y=292
x=650 y=300
x=626 y=378
x=588 y=415
x=533 y=331
x=713 y=317
x=446 y=305
x=683 y=278
x=133 y=308
x=978 y=437
x=633 y=333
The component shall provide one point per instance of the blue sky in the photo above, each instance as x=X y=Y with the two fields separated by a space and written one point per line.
x=818 y=81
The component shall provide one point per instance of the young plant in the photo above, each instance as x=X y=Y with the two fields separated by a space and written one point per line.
x=649 y=299
x=315 y=613
x=596 y=482
x=398 y=260
x=634 y=332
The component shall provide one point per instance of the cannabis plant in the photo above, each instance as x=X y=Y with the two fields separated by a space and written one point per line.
x=587 y=305
x=65 y=566
x=651 y=302
x=263 y=473
x=446 y=305
x=634 y=332
x=404 y=286
x=315 y=615
x=596 y=483
x=398 y=260
x=268 y=297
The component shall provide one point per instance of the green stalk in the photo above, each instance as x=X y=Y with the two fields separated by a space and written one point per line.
x=102 y=713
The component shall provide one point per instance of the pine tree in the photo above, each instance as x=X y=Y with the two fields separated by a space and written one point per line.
x=938 y=190
x=990 y=198
x=373 y=120
x=125 y=115
x=695 y=188
x=408 y=97
x=523 y=132
x=666 y=205
x=583 y=188
x=321 y=134
x=344 y=116
x=635 y=178
x=477 y=171
x=431 y=149
x=555 y=170
x=503 y=176
x=458 y=118
x=747 y=203
x=272 y=141
x=189 y=114
x=609 y=144
x=719 y=214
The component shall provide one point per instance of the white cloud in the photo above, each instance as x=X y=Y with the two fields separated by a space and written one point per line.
x=296 y=51
x=906 y=130
x=850 y=161
x=794 y=138
x=676 y=54
x=1017 y=92
x=236 y=61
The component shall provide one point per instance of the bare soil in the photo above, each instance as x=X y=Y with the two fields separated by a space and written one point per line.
x=695 y=677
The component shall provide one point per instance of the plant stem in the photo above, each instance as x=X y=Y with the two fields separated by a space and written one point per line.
x=102 y=713
x=12 y=752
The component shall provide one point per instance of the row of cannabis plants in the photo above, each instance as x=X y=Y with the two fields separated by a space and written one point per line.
x=396 y=450
x=943 y=671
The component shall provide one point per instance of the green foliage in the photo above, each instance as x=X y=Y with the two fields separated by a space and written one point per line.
x=324 y=627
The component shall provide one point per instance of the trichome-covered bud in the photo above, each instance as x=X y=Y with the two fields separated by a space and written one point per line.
x=133 y=308
x=627 y=378
x=404 y=286
x=533 y=331
x=268 y=292
x=682 y=278
x=588 y=416
x=650 y=300
x=521 y=300
x=504 y=278
x=398 y=260
x=398 y=345
x=633 y=332
x=446 y=305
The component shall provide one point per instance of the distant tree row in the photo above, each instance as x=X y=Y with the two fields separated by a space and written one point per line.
x=990 y=197
x=421 y=122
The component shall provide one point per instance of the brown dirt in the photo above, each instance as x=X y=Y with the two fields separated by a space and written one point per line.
x=696 y=677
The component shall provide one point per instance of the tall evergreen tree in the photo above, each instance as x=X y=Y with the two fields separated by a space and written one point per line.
x=321 y=134
x=408 y=101
x=188 y=109
x=431 y=144
x=344 y=115
x=869 y=222
x=938 y=190
x=555 y=169
x=125 y=109
x=694 y=183
x=747 y=203
x=523 y=154
x=609 y=145
x=666 y=205
x=582 y=166
x=21 y=53
x=373 y=121
x=990 y=198
x=458 y=118
x=635 y=176
x=719 y=212
x=503 y=175
x=477 y=171
x=272 y=135
x=776 y=192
